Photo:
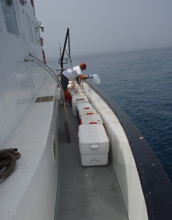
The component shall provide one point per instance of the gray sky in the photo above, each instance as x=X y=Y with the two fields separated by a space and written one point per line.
x=99 y=26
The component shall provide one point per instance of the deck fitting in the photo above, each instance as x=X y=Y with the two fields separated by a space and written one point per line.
x=45 y=99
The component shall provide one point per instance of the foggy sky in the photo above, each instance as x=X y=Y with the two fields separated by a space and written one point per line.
x=99 y=26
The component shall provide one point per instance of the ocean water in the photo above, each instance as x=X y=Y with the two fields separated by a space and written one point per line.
x=141 y=83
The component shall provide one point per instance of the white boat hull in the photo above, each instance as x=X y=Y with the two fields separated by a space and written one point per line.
x=30 y=191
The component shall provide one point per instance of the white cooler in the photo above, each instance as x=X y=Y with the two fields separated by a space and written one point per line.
x=73 y=92
x=85 y=105
x=91 y=118
x=84 y=109
x=93 y=145
x=78 y=98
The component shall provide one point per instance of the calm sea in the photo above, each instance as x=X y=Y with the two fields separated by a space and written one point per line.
x=141 y=83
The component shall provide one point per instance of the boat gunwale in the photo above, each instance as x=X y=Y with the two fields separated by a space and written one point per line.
x=156 y=186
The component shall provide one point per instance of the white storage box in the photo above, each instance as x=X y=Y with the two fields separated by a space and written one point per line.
x=91 y=118
x=85 y=112
x=93 y=145
x=78 y=98
x=90 y=111
x=73 y=92
x=81 y=106
x=84 y=109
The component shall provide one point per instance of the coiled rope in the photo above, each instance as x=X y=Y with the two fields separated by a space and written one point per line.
x=8 y=159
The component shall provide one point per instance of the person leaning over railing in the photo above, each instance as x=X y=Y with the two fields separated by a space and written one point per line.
x=71 y=74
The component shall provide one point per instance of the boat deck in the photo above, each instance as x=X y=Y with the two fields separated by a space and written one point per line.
x=85 y=193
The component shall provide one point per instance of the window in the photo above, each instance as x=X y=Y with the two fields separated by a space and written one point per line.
x=29 y=28
x=10 y=17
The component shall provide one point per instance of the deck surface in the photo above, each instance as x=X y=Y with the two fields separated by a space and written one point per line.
x=85 y=193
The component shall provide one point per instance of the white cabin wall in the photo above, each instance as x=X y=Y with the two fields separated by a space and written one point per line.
x=19 y=80
x=122 y=158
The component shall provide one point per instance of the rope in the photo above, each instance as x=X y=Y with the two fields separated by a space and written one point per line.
x=8 y=159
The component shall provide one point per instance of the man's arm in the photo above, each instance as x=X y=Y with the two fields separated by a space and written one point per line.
x=82 y=76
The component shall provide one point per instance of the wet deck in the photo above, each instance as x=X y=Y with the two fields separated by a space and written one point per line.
x=87 y=193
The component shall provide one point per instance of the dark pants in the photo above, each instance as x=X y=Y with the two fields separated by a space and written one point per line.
x=64 y=81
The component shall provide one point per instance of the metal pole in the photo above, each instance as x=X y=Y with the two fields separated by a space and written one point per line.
x=66 y=38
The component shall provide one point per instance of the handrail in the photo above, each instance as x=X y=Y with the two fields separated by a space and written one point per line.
x=45 y=65
x=52 y=73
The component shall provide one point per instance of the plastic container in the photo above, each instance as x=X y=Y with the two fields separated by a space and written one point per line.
x=84 y=109
x=93 y=145
x=78 y=98
x=91 y=118
x=81 y=106
x=73 y=92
